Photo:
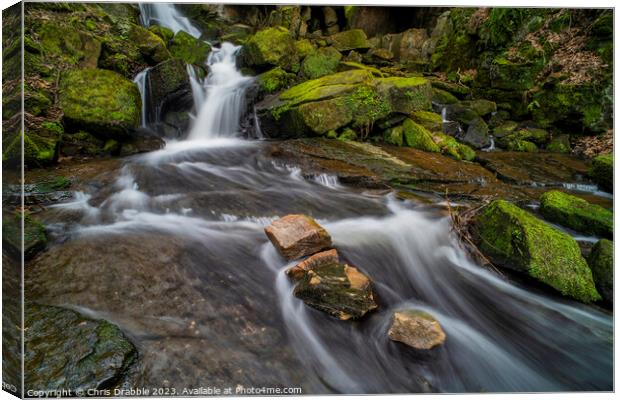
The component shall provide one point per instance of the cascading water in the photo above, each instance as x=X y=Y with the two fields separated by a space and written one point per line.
x=166 y=15
x=142 y=81
x=205 y=296
x=221 y=102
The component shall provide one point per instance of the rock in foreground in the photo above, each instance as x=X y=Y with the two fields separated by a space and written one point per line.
x=576 y=213
x=337 y=289
x=416 y=329
x=323 y=258
x=601 y=261
x=513 y=238
x=296 y=236
x=65 y=350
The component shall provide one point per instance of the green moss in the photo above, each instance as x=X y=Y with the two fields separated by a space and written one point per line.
x=520 y=145
x=356 y=65
x=451 y=147
x=367 y=106
x=164 y=33
x=353 y=39
x=443 y=97
x=304 y=47
x=559 y=144
x=35 y=238
x=418 y=137
x=601 y=262
x=430 y=120
x=189 y=49
x=515 y=239
x=100 y=101
x=394 y=135
x=320 y=63
x=271 y=47
x=480 y=107
x=602 y=171
x=348 y=134
x=274 y=80
x=299 y=92
x=406 y=95
x=505 y=129
x=576 y=213
x=152 y=47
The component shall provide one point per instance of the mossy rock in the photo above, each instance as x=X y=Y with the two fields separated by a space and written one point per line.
x=270 y=47
x=348 y=65
x=576 y=213
x=99 y=101
x=394 y=135
x=430 y=120
x=166 y=34
x=237 y=33
x=337 y=289
x=601 y=262
x=275 y=79
x=559 y=144
x=456 y=89
x=304 y=47
x=520 y=145
x=443 y=97
x=513 y=238
x=35 y=238
x=68 y=45
x=406 y=95
x=151 y=46
x=505 y=129
x=354 y=39
x=64 y=350
x=348 y=134
x=481 y=107
x=520 y=139
x=602 y=171
x=320 y=63
x=418 y=137
x=189 y=49
x=453 y=148
x=168 y=81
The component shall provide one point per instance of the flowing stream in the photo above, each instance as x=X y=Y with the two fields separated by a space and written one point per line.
x=217 y=192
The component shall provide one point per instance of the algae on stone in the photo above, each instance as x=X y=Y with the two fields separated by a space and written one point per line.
x=189 y=49
x=601 y=261
x=576 y=213
x=418 y=137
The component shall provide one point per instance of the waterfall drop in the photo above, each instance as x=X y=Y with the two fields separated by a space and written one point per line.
x=167 y=15
x=142 y=81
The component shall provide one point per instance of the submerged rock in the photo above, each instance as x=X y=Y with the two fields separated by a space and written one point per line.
x=323 y=258
x=513 y=238
x=100 y=102
x=65 y=350
x=602 y=171
x=337 y=289
x=576 y=213
x=601 y=261
x=296 y=236
x=417 y=329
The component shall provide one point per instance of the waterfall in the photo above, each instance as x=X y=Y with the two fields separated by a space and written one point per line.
x=220 y=102
x=167 y=15
x=142 y=81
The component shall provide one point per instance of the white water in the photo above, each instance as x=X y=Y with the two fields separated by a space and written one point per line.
x=166 y=15
x=220 y=99
x=142 y=81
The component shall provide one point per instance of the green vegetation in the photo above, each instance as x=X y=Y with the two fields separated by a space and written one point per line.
x=576 y=213
x=601 y=261
x=189 y=49
x=602 y=171
x=418 y=137
x=322 y=62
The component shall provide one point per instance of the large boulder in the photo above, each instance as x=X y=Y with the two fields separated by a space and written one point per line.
x=169 y=87
x=576 y=213
x=602 y=171
x=417 y=329
x=270 y=47
x=297 y=236
x=354 y=39
x=64 y=350
x=601 y=261
x=416 y=136
x=337 y=289
x=322 y=62
x=513 y=238
x=326 y=257
x=189 y=49
x=274 y=80
x=99 y=101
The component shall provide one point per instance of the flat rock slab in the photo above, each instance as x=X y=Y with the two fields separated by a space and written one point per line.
x=297 y=236
x=66 y=350
x=417 y=329
x=337 y=289
x=323 y=258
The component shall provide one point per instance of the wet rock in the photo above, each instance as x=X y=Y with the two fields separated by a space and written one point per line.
x=576 y=213
x=43 y=192
x=354 y=39
x=416 y=329
x=337 y=289
x=100 y=102
x=513 y=238
x=189 y=49
x=602 y=171
x=476 y=135
x=169 y=89
x=141 y=142
x=601 y=262
x=65 y=350
x=35 y=238
x=296 y=236
x=316 y=260
x=164 y=33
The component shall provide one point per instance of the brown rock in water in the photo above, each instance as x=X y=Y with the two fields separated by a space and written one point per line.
x=337 y=289
x=323 y=258
x=296 y=236
x=416 y=329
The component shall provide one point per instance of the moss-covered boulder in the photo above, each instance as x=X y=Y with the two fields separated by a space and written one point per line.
x=64 y=350
x=270 y=47
x=520 y=145
x=443 y=97
x=481 y=107
x=406 y=95
x=322 y=62
x=35 y=238
x=601 y=261
x=189 y=49
x=602 y=171
x=99 y=101
x=337 y=289
x=41 y=144
x=453 y=148
x=164 y=33
x=169 y=82
x=576 y=213
x=430 y=120
x=151 y=46
x=418 y=137
x=274 y=80
x=354 y=39
x=394 y=135
x=513 y=238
